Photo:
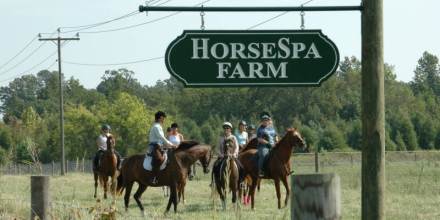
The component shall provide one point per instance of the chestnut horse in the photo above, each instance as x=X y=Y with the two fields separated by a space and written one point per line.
x=107 y=168
x=226 y=175
x=277 y=164
x=174 y=175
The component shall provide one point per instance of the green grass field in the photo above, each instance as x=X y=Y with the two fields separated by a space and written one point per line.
x=412 y=192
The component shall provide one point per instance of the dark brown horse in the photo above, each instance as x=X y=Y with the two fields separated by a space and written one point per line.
x=174 y=175
x=278 y=164
x=226 y=174
x=107 y=168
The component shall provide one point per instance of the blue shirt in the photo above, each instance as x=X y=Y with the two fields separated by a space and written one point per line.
x=241 y=137
x=267 y=133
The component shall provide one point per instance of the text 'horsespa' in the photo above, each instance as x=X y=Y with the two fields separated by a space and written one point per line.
x=247 y=58
x=284 y=49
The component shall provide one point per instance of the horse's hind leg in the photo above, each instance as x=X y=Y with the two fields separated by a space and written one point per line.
x=95 y=176
x=105 y=183
x=173 y=198
x=277 y=188
x=286 y=185
x=127 y=195
x=252 y=192
x=138 y=194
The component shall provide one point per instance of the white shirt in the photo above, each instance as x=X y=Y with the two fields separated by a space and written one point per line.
x=102 y=142
x=222 y=147
x=175 y=139
x=156 y=135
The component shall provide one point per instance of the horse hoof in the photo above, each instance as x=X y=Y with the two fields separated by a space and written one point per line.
x=143 y=213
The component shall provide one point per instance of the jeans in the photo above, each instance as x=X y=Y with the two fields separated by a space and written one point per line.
x=263 y=150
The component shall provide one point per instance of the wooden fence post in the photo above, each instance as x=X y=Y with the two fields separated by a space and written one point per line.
x=77 y=164
x=30 y=169
x=53 y=168
x=316 y=162
x=40 y=197
x=83 y=165
x=316 y=196
x=67 y=166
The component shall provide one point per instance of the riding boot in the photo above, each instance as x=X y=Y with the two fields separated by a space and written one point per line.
x=118 y=164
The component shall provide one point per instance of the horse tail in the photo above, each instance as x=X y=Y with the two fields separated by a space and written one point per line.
x=224 y=175
x=120 y=184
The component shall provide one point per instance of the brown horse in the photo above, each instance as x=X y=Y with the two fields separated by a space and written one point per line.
x=174 y=175
x=226 y=175
x=277 y=165
x=107 y=168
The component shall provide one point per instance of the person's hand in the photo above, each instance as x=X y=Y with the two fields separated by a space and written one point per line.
x=174 y=146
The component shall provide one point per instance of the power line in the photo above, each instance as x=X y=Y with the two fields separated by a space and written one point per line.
x=26 y=58
x=85 y=27
x=112 y=64
x=140 y=24
x=34 y=66
x=21 y=51
x=275 y=17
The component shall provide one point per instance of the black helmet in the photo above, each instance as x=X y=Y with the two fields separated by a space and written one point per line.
x=174 y=125
x=159 y=114
x=105 y=127
x=242 y=122
x=265 y=116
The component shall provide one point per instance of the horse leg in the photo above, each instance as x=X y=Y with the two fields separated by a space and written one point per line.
x=105 y=180
x=173 y=198
x=137 y=196
x=258 y=185
x=95 y=175
x=252 y=192
x=182 y=192
x=127 y=195
x=277 y=188
x=220 y=192
x=286 y=185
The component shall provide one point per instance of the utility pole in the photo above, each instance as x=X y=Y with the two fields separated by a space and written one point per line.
x=373 y=112
x=57 y=41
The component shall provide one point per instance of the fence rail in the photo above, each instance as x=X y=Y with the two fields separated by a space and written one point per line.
x=318 y=160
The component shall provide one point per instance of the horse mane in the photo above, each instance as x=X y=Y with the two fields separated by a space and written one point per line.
x=283 y=139
x=253 y=143
x=185 y=145
x=110 y=140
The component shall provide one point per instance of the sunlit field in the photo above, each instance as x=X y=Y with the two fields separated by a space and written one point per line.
x=412 y=192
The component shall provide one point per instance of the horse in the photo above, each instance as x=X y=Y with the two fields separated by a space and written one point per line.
x=107 y=168
x=174 y=175
x=226 y=175
x=277 y=164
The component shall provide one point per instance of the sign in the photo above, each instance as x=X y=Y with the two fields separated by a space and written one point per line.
x=222 y=58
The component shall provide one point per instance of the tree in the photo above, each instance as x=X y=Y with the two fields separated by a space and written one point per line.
x=117 y=81
x=427 y=74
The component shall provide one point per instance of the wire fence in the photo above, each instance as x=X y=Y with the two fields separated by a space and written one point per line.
x=318 y=160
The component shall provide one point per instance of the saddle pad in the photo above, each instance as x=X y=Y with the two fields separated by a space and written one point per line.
x=148 y=159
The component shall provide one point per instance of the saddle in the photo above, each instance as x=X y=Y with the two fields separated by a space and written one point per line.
x=158 y=158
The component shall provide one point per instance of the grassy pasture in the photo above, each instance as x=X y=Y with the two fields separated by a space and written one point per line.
x=412 y=192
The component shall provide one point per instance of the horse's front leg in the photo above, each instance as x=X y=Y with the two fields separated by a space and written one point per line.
x=105 y=183
x=252 y=192
x=286 y=185
x=277 y=188
x=95 y=175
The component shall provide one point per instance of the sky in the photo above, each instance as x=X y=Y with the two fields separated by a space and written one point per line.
x=410 y=28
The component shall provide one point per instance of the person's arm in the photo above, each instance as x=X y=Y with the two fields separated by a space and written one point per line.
x=220 y=147
x=160 y=135
x=236 y=147
x=181 y=137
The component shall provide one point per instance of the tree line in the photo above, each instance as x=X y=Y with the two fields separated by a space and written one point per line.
x=328 y=116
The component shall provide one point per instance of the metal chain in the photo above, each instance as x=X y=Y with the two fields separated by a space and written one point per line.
x=202 y=17
x=302 y=20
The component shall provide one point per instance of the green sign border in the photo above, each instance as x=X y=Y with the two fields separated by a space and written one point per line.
x=241 y=32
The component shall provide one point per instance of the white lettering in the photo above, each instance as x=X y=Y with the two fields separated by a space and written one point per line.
x=197 y=48
x=314 y=51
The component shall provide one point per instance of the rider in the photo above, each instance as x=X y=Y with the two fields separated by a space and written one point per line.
x=101 y=142
x=174 y=136
x=223 y=152
x=251 y=132
x=242 y=135
x=267 y=138
x=157 y=139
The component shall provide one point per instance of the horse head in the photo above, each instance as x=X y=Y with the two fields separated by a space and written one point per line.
x=294 y=138
x=206 y=159
x=228 y=144
x=111 y=143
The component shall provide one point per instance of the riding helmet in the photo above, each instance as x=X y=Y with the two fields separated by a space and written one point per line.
x=227 y=124
x=105 y=127
x=265 y=116
x=242 y=122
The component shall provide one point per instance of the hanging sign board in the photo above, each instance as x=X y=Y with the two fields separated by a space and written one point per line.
x=252 y=58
